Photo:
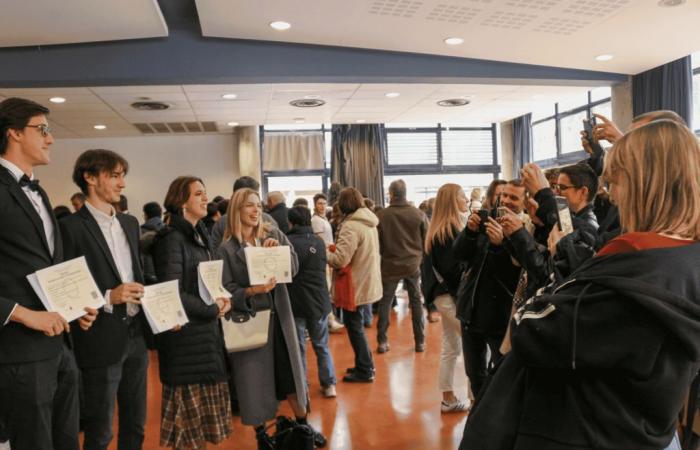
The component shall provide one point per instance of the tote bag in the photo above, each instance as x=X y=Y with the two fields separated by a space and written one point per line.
x=241 y=334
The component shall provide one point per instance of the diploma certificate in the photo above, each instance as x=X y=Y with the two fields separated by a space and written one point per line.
x=67 y=288
x=209 y=274
x=266 y=262
x=163 y=306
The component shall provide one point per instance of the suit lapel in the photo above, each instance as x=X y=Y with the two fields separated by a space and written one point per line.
x=94 y=229
x=26 y=204
x=57 y=241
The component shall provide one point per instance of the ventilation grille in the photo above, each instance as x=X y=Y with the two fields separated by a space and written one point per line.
x=176 y=127
x=452 y=13
x=395 y=8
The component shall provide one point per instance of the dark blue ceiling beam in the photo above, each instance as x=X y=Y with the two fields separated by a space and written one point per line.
x=185 y=57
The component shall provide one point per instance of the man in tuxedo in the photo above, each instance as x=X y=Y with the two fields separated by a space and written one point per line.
x=38 y=374
x=112 y=354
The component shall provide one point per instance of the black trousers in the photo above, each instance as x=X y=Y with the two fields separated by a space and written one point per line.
x=125 y=383
x=39 y=403
x=474 y=346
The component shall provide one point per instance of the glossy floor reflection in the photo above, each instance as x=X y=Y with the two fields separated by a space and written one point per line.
x=400 y=410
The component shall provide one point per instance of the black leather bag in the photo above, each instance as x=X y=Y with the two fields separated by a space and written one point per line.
x=290 y=435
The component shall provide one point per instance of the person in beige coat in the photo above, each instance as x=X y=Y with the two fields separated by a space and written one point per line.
x=357 y=245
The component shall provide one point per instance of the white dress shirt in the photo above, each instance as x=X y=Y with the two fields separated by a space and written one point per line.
x=41 y=209
x=322 y=227
x=119 y=248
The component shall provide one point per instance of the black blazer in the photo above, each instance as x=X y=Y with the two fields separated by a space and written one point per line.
x=23 y=250
x=105 y=342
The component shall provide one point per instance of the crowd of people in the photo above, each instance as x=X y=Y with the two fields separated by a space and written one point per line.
x=571 y=295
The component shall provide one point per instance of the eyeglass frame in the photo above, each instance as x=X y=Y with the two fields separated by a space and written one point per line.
x=559 y=187
x=43 y=128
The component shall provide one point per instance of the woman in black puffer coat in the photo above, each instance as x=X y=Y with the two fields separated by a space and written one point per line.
x=196 y=405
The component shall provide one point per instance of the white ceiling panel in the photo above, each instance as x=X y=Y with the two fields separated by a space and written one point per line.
x=561 y=33
x=49 y=22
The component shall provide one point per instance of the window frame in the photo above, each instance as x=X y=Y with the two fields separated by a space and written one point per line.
x=439 y=167
x=567 y=158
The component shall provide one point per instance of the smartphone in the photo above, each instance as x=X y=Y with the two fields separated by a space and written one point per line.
x=588 y=125
x=484 y=216
x=564 y=223
x=502 y=211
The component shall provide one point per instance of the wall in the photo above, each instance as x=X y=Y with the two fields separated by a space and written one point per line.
x=622 y=105
x=506 y=150
x=154 y=161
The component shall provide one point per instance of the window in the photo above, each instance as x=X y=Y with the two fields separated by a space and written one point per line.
x=465 y=147
x=423 y=187
x=294 y=187
x=557 y=139
x=412 y=148
x=544 y=140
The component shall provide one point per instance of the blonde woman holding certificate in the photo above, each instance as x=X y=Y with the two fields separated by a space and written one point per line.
x=265 y=375
x=196 y=406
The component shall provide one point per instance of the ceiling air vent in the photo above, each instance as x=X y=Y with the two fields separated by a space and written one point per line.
x=450 y=102
x=176 y=127
x=150 y=106
x=307 y=102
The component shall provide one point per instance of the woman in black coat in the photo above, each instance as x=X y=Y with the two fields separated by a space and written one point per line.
x=196 y=405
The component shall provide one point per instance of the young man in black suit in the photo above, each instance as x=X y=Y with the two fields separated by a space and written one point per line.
x=112 y=355
x=38 y=375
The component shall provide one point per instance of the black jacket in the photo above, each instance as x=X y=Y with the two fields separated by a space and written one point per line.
x=105 y=343
x=572 y=251
x=195 y=354
x=491 y=282
x=443 y=260
x=23 y=251
x=604 y=361
x=308 y=291
x=279 y=213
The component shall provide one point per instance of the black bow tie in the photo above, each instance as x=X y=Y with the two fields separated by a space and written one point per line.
x=31 y=184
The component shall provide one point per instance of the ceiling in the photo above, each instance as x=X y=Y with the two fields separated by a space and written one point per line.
x=258 y=104
x=560 y=33
x=44 y=22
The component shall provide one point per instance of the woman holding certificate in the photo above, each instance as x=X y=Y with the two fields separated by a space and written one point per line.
x=272 y=372
x=196 y=406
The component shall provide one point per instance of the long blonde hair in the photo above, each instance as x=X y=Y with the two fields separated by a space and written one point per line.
x=445 y=221
x=657 y=171
x=234 y=226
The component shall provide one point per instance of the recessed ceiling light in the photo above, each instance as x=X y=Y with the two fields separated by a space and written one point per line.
x=307 y=103
x=229 y=96
x=299 y=120
x=57 y=100
x=391 y=94
x=232 y=124
x=280 y=26
x=670 y=3
x=451 y=102
x=312 y=97
x=360 y=121
x=537 y=96
x=453 y=41
x=604 y=57
x=100 y=127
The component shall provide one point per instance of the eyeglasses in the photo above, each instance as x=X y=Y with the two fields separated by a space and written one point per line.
x=563 y=187
x=43 y=128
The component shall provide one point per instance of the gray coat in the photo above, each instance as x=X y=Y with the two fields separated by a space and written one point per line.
x=253 y=370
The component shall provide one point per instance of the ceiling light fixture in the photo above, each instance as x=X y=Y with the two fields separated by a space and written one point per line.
x=670 y=3
x=57 y=100
x=453 y=41
x=232 y=124
x=100 y=127
x=391 y=94
x=604 y=57
x=360 y=121
x=299 y=120
x=312 y=97
x=307 y=103
x=280 y=26
x=229 y=96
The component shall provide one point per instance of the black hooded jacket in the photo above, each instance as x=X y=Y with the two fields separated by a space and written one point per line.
x=604 y=361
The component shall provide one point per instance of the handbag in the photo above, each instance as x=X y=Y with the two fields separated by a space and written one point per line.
x=344 y=289
x=245 y=332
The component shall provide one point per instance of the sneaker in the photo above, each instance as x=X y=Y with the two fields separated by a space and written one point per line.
x=335 y=327
x=383 y=347
x=351 y=370
x=328 y=391
x=354 y=377
x=454 y=406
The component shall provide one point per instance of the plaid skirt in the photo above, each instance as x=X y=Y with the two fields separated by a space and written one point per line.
x=194 y=414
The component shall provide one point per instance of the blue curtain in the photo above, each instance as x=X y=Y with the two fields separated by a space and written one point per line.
x=357 y=159
x=665 y=87
x=522 y=143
